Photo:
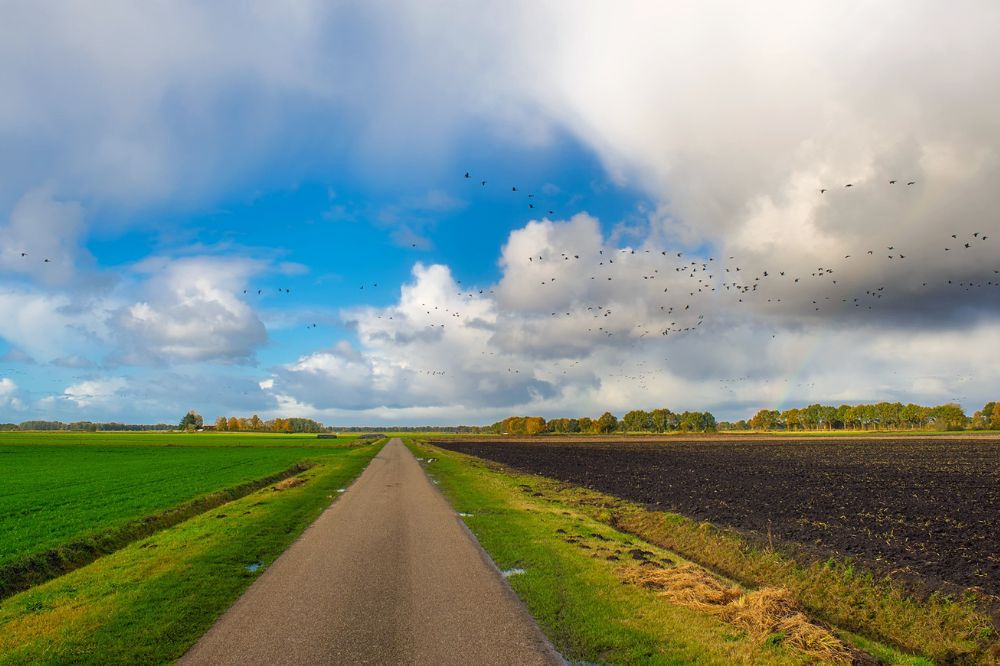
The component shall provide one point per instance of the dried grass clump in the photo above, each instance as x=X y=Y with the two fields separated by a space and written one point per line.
x=290 y=482
x=761 y=613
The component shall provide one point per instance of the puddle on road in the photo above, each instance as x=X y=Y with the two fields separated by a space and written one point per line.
x=507 y=573
x=254 y=566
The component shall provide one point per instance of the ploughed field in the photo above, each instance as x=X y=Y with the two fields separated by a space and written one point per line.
x=922 y=508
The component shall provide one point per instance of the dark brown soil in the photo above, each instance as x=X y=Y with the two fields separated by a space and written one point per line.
x=922 y=509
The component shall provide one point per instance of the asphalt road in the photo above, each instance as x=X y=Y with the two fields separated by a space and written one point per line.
x=387 y=575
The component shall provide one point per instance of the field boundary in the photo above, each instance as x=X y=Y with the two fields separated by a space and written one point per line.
x=40 y=567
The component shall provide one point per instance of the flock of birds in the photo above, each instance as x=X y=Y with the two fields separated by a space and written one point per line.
x=670 y=292
x=679 y=290
x=46 y=260
x=530 y=197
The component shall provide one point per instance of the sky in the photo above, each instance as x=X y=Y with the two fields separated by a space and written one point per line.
x=250 y=207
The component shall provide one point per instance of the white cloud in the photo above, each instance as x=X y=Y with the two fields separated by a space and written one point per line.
x=104 y=392
x=192 y=311
x=9 y=395
x=578 y=345
x=48 y=325
x=177 y=310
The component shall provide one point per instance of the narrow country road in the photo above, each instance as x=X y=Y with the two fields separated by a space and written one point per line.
x=386 y=575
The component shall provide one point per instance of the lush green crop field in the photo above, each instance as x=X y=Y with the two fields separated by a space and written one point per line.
x=53 y=493
x=148 y=601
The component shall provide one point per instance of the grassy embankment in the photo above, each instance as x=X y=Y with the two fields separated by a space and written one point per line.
x=150 y=600
x=606 y=596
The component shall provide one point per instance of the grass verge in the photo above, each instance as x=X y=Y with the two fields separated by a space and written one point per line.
x=944 y=628
x=598 y=593
x=151 y=600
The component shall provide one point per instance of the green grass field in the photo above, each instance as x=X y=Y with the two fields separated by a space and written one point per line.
x=54 y=494
x=68 y=498
x=150 y=600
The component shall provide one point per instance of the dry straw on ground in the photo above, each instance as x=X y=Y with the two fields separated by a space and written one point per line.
x=761 y=613
x=288 y=483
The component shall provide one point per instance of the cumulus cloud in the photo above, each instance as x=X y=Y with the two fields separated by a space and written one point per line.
x=167 y=310
x=102 y=392
x=734 y=121
x=191 y=312
x=428 y=350
x=556 y=336
x=9 y=398
x=46 y=325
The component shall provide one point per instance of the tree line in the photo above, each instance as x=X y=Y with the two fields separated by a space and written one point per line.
x=874 y=416
x=637 y=420
x=409 y=428
x=85 y=426
x=256 y=424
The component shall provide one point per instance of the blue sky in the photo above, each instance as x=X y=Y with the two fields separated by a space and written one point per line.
x=172 y=161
